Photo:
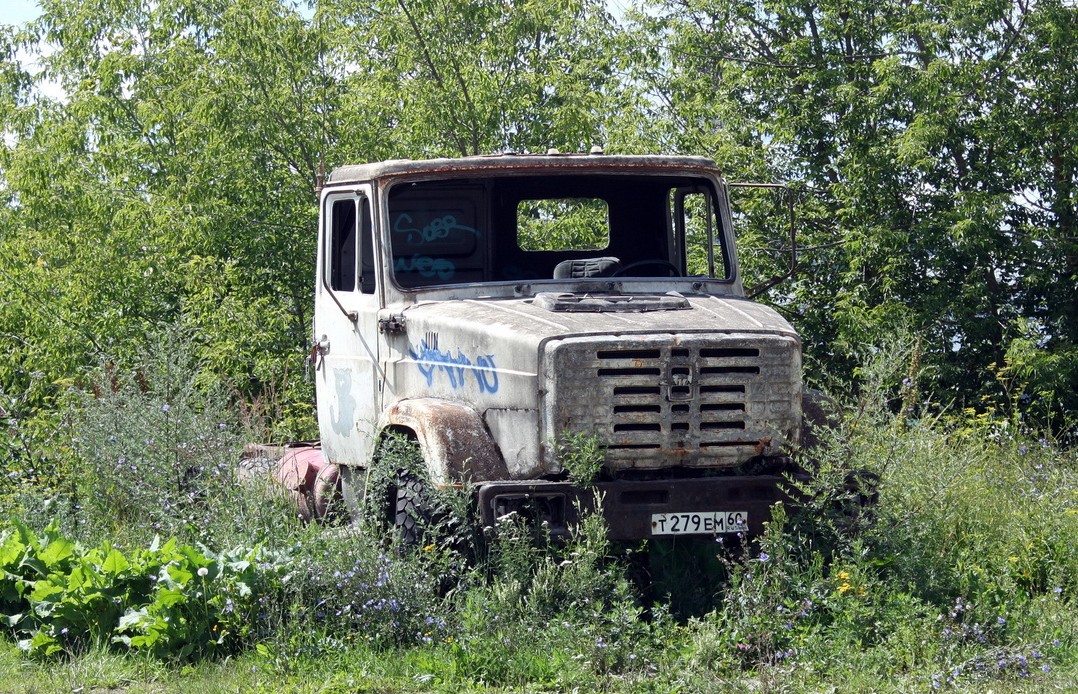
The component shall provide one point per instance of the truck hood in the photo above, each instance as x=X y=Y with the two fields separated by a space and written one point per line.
x=534 y=319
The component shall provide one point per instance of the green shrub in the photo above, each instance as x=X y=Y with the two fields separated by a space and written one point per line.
x=173 y=601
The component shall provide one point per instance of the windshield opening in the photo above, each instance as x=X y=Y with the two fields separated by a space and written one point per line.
x=569 y=226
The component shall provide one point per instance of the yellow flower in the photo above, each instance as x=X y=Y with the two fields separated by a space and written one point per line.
x=844 y=575
x=429 y=548
x=842 y=589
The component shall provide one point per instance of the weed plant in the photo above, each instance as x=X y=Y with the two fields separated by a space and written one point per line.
x=351 y=586
x=158 y=454
x=582 y=457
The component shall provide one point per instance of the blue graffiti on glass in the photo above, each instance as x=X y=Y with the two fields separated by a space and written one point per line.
x=438 y=228
x=455 y=367
x=426 y=266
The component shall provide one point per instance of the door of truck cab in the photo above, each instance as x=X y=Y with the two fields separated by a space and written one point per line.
x=346 y=326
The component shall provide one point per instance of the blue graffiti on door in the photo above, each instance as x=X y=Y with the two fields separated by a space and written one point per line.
x=431 y=360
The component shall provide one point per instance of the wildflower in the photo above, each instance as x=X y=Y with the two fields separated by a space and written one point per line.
x=166 y=407
x=764 y=556
x=1046 y=668
x=203 y=571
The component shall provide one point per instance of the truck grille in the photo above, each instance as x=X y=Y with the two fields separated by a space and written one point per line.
x=676 y=400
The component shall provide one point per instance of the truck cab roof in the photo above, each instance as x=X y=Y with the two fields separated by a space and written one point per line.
x=522 y=163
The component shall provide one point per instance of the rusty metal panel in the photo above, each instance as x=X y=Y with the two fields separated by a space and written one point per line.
x=456 y=445
x=668 y=400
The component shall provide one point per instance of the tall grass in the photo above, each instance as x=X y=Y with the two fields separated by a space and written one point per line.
x=961 y=574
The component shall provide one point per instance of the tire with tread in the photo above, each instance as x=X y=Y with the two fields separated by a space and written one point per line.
x=411 y=511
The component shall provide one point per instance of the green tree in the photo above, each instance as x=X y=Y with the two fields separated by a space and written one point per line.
x=173 y=181
x=467 y=77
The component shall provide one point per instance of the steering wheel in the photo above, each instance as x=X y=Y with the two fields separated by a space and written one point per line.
x=671 y=269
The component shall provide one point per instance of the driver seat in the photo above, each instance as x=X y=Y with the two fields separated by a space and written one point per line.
x=580 y=268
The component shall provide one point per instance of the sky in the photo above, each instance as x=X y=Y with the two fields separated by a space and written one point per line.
x=17 y=11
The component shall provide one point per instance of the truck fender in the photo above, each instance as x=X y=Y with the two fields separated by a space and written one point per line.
x=455 y=443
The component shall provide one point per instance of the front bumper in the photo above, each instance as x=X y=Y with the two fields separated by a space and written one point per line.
x=629 y=506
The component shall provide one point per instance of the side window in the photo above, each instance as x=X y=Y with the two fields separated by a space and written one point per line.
x=350 y=238
x=342 y=246
x=696 y=222
x=366 y=248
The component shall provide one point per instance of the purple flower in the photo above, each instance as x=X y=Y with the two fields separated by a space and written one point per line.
x=166 y=407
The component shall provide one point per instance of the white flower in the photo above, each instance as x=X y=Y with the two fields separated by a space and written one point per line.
x=202 y=571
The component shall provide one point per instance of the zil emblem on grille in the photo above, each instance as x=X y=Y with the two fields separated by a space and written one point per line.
x=680 y=382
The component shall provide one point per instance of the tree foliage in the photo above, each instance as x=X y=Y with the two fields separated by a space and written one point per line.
x=169 y=177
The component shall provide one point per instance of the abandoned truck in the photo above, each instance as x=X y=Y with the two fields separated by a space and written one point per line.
x=487 y=308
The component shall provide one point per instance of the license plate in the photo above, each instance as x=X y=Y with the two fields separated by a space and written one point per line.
x=699 y=523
